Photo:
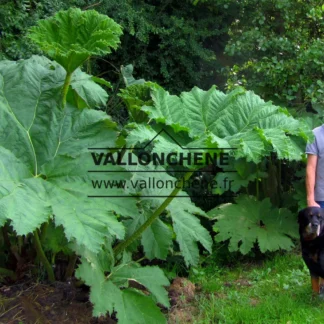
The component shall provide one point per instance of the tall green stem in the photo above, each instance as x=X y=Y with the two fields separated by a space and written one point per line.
x=71 y=265
x=42 y=257
x=257 y=182
x=123 y=245
x=279 y=181
x=65 y=89
x=43 y=231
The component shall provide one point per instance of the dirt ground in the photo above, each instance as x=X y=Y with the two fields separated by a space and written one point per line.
x=29 y=303
x=61 y=302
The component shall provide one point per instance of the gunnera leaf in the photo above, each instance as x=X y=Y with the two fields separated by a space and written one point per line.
x=131 y=305
x=70 y=37
x=250 y=221
x=45 y=158
x=253 y=127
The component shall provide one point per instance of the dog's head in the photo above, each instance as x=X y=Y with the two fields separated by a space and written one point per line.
x=311 y=222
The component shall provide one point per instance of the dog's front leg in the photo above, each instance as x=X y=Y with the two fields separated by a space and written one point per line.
x=321 y=284
x=315 y=284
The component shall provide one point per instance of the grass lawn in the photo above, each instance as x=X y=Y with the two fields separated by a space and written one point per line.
x=276 y=291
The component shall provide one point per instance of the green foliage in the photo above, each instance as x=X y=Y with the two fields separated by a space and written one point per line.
x=247 y=172
x=156 y=240
x=15 y=18
x=127 y=73
x=54 y=240
x=169 y=42
x=273 y=48
x=257 y=129
x=44 y=173
x=45 y=178
x=239 y=119
x=136 y=94
x=107 y=297
x=278 y=49
x=186 y=225
x=85 y=90
x=300 y=194
x=250 y=221
x=43 y=160
x=71 y=37
x=45 y=163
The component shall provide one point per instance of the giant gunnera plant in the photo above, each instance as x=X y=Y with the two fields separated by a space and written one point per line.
x=50 y=158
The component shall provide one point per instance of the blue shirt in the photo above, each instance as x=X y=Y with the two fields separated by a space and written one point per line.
x=317 y=148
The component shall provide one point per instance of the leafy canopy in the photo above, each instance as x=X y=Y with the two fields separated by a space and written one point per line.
x=70 y=37
x=277 y=47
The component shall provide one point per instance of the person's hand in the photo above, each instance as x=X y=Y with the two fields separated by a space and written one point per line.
x=312 y=203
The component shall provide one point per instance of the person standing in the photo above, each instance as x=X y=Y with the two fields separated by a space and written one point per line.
x=315 y=169
x=315 y=194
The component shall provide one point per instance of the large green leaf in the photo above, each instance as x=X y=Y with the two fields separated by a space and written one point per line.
x=70 y=37
x=164 y=140
x=23 y=198
x=84 y=87
x=152 y=278
x=250 y=221
x=241 y=118
x=131 y=305
x=45 y=158
x=32 y=126
x=104 y=295
x=135 y=307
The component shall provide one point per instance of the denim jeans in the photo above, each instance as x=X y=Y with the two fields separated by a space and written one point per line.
x=321 y=203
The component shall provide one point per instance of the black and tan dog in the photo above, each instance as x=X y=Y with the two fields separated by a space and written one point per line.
x=311 y=231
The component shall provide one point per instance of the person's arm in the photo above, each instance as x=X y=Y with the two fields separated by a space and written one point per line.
x=310 y=180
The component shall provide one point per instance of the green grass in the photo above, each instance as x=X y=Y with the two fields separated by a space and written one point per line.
x=276 y=291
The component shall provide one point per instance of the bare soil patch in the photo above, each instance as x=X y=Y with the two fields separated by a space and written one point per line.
x=40 y=303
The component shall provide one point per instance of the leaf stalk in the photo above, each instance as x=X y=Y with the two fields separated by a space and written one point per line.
x=124 y=244
x=65 y=89
x=42 y=257
x=71 y=265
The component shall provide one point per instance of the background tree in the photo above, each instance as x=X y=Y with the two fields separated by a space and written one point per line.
x=278 y=48
x=170 y=42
